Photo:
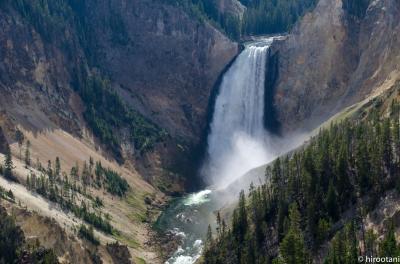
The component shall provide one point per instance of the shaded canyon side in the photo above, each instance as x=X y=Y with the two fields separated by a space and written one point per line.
x=162 y=62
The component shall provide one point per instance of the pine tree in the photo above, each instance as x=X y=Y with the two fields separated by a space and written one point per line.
x=343 y=182
x=27 y=154
x=276 y=175
x=8 y=165
x=337 y=251
x=38 y=164
x=292 y=248
x=362 y=166
x=351 y=244
x=209 y=255
x=223 y=228
x=75 y=172
x=387 y=146
x=331 y=202
x=28 y=182
x=388 y=247
x=322 y=233
x=370 y=242
x=98 y=171
x=312 y=228
x=50 y=172
x=209 y=238
x=241 y=227
x=281 y=217
x=57 y=169
x=396 y=137
x=85 y=175
x=19 y=137
x=219 y=224
x=91 y=164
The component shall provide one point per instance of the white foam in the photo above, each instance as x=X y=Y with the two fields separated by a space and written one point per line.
x=198 y=198
x=238 y=141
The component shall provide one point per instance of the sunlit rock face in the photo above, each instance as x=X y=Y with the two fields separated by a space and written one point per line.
x=332 y=59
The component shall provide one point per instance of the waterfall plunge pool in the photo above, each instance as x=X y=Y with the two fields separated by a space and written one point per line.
x=186 y=219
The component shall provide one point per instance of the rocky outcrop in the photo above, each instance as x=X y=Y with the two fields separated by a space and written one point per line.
x=332 y=59
x=119 y=253
x=162 y=62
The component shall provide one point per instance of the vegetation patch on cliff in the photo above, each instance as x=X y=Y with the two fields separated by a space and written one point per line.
x=105 y=112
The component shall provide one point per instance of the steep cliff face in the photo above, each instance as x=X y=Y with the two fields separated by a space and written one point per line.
x=333 y=59
x=34 y=76
x=162 y=62
x=167 y=64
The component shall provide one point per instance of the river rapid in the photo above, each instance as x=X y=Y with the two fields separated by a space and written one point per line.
x=187 y=219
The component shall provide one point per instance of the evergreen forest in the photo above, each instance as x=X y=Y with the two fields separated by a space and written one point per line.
x=317 y=198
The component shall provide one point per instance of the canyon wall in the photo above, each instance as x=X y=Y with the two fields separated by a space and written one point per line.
x=333 y=59
x=162 y=61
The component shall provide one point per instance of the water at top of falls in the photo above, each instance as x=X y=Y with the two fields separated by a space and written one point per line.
x=238 y=141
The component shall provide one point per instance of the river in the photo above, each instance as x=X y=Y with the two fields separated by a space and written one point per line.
x=187 y=219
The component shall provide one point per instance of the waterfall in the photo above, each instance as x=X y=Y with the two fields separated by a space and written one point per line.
x=238 y=141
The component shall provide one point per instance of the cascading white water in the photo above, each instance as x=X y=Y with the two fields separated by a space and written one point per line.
x=238 y=141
